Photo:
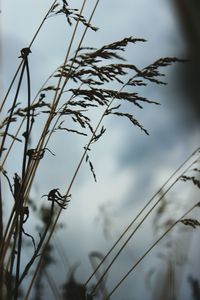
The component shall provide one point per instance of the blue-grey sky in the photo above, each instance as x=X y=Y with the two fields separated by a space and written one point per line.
x=129 y=165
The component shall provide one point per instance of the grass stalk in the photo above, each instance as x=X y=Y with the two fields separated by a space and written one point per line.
x=150 y=249
x=141 y=212
x=139 y=225
x=88 y=69
x=19 y=67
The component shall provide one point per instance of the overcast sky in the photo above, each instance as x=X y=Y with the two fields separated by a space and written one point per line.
x=129 y=165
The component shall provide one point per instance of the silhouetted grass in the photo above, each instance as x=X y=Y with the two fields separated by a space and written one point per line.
x=85 y=80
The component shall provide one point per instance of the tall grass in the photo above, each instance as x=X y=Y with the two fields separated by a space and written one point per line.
x=85 y=83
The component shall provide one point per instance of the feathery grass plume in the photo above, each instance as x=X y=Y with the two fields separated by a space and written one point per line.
x=82 y=84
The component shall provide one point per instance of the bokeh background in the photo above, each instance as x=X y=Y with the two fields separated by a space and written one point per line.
x=129 y=165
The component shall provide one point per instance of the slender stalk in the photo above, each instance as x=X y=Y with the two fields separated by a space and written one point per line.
x=18 y=204
x=57 y=94
x=21 y=199
x=36 y=254
x=20 y=126
x=39 y=246
x=31 y=43
x=66 y=195
x=150 y=248
x=5 y=135
x=52 y=285
x=77 y=50
x=13 y=209
x=41 y=142
x=1 y=213
x=1 y=235
x=4 y=139
x=140 y=223
x=27 y=132
x=11 y=260
x=33 y=167
x=30 y=166
x=18 y=263
x=79 y=165
x=77 y=170
x=6 y=239
x=11 y=84
x=12 y=109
